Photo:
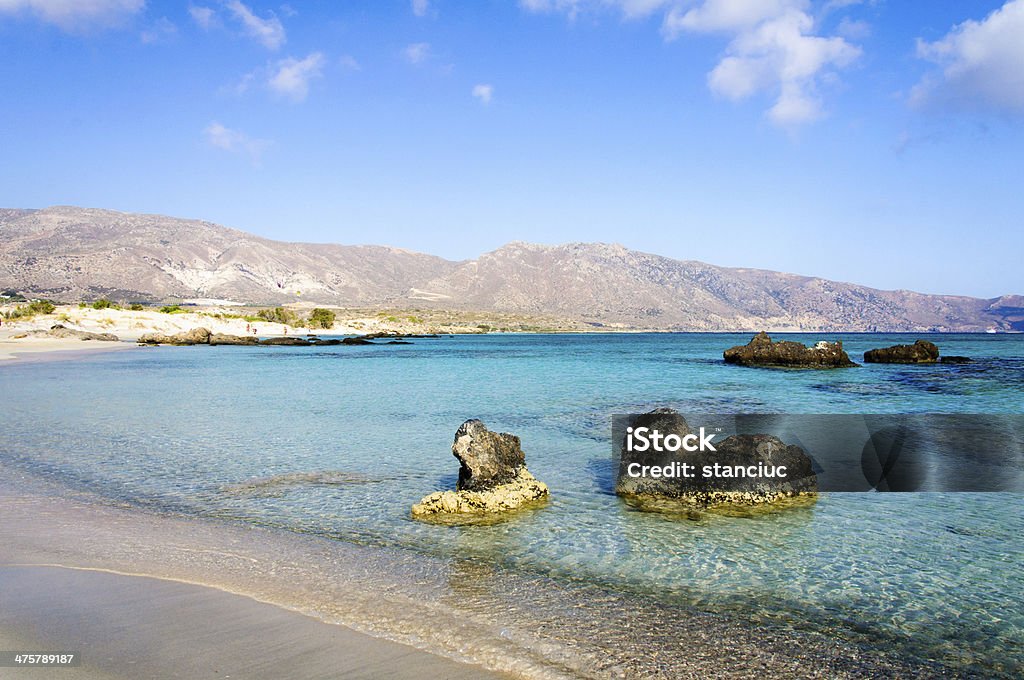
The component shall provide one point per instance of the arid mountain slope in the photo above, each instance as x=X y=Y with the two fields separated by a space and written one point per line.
x=73 y=253
x=70 y=253
x=612 y=284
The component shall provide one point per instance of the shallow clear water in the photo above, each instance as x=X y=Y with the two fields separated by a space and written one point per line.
x=340 y=441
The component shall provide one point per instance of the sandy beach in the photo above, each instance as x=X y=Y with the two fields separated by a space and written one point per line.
x=50 y=349
x=21 y=336
x=139 y=627
x=203 y=613
x=20 y=339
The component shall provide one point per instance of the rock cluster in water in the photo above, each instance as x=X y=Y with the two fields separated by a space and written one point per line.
x=921 y=352
x=492 y=477
x=747 y=450
x=196 y=336
x=763 y=351
x=202 y=336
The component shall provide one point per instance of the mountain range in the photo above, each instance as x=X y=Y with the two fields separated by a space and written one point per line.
x=69 y=253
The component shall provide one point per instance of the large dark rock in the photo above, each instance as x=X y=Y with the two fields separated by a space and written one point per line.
x=356 y=341
x=763 y=351
x=227 y=339
x=921 y=352
x=488 y=458
x=196 y=336
x=744 y=450
x=493 y=477
x=61 y=331
x=286 y=342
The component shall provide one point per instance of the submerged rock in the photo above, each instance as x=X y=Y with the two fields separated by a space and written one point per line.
x=953 y=359
x=286 y=341
x=760 y=453
x=522 y=489
x=227 y=339
x=492 y=477
x=921 y=352
x=196 y=336
x=763 y=351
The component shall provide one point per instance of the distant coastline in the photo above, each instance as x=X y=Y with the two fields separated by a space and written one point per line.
x=21 y=336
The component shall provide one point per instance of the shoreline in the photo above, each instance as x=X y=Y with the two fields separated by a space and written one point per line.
x=254 y=564
x=129 y=325
x=189 y=630
x=38 y=350
x=467 y=611
x=14 y=350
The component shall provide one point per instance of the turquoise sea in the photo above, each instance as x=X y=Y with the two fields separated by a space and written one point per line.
x=340 y=441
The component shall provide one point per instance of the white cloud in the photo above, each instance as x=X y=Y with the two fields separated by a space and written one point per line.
x=73 y=15
x=205 y=17
x=772 y=49
x=161 y=30
x=269 y=32
x=243 y=85
x=853 y=29
x=417 y=53
x=349 y=63
x=290 y=77
x=982 y=64
x=483 y=92
x=725 y=15
x=420 y=7
x=234 y=141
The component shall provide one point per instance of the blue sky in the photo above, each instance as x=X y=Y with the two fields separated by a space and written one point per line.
x=876 y=142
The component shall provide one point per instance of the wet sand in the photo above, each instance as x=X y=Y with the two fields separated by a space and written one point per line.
x=454 y=610
x=52 y=349
x=141 y=627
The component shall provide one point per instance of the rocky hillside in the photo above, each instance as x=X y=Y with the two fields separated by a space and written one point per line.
x=611 y=284
x=74 y=253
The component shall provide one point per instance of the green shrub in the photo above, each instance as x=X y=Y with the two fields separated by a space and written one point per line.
x=321 y=318
x=136 y=307
x=171 y=309
x=278 y=315
x=104 y=303
x=41 y=307
x=31 y=309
